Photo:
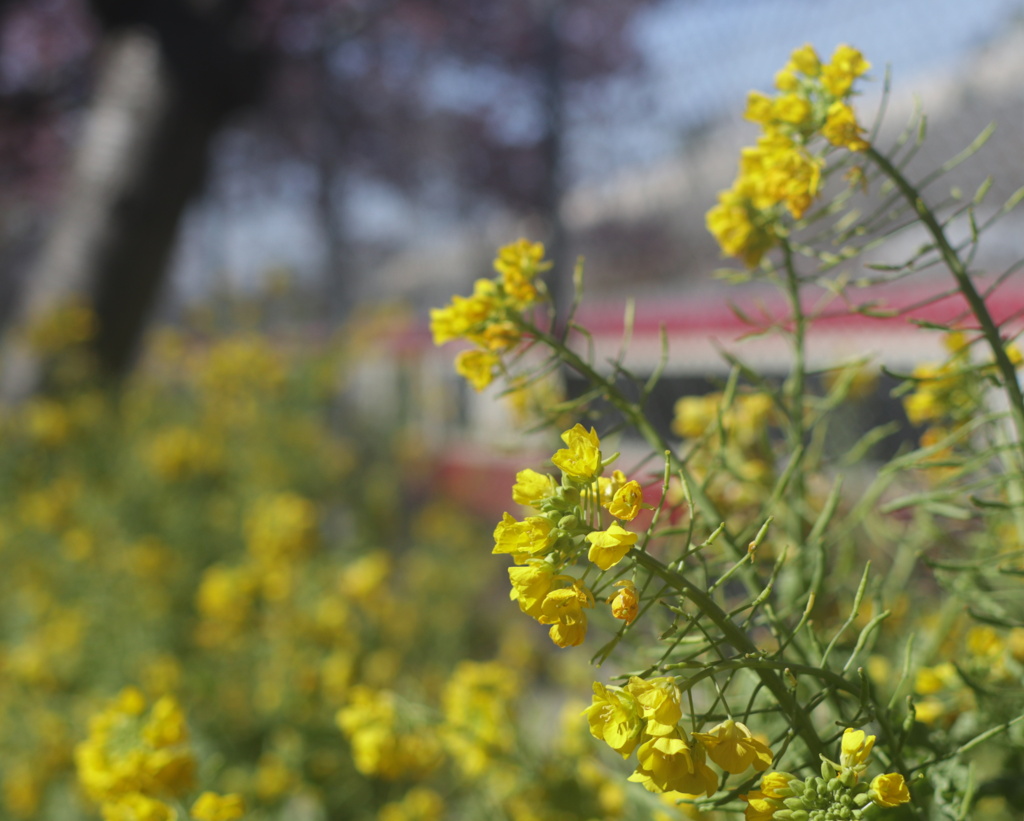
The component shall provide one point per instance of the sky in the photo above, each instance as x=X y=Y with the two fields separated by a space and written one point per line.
x=704 y=55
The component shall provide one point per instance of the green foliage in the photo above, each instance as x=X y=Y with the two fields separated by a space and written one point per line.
x=787 y=586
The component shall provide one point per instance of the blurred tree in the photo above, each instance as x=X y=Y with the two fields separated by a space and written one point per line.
x=459 y=105
x=170 y=71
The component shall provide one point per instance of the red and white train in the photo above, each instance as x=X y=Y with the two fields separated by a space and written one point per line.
x=477 y=447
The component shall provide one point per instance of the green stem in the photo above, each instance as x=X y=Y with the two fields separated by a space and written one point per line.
x=637 y=419
x=740 y=642
x=960 y=273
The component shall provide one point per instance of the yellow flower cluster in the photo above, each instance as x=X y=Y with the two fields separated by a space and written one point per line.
x=735 y=437
x=783 y=172
x=371 y=721
x=216 y=477
x=985 y=657
x=477 y=704
x=947 y=396
x=137 y=757
x=782 y=796
x=181 y=452
x=567 y=521
x=211 y=806
x=487 y=317
x=644 y=716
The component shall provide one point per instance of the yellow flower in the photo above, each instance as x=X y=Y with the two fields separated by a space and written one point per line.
x=137 y=807
x=778 y=171
x=931 y=680
x=608 y=547
x=791 y=108
x=563 y=610
x=762 y=803
x=419 y=804
x=985 y=642
x=759 y=806
x=478 y=367
x=666 y=763
x=519 y=263
x=856 y=747
x=477 y=710
x=889 y=790
x=497 y=336
x=608 y=486
x=841 y=128
x=614 y=718
x=732 y=747
x=759 y=108
x=659 y=703
x=532 y=536
x=805 y=60
x=281 y=526
x=738 y=232
x=694 y=415
x=465 y=315
x=626 y=602
x=627 y=501
x=530 y=585
x=785 y=79
x=129 y=752
x=532 y=487
x=370 y=721
x=581 y=460
x=213 y=807
x=166 y=724
x=847 y=65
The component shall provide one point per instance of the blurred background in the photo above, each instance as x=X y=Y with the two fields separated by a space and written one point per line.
x=157 y=153
x=283 y=518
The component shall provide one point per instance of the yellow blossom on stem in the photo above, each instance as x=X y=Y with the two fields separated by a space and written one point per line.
x=847 y=65
x=532 y=487
x=785 y=79
x=519 y=263
x=530 y=537
x=563 y=610
x=889 y=790
x=464 y=315
x=805 y=60
x=608 y=547
x=694 y=415
x=659 y=703
x=667 y=763
x=791 y=108
x=738 y=232
x=213 y=807
x=614 y=718
x=626 y=602
x=759 y=108
x=497 y=336
x=608 y=486
x=531 y=583
x=732 y=747
x=762 y=803
x=581 y=460
x=478 y=367
x=841 y=128
x=137 y=807
x=855 y=747
x=627 y=501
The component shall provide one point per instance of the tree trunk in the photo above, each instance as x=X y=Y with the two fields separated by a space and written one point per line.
x=141 y=158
